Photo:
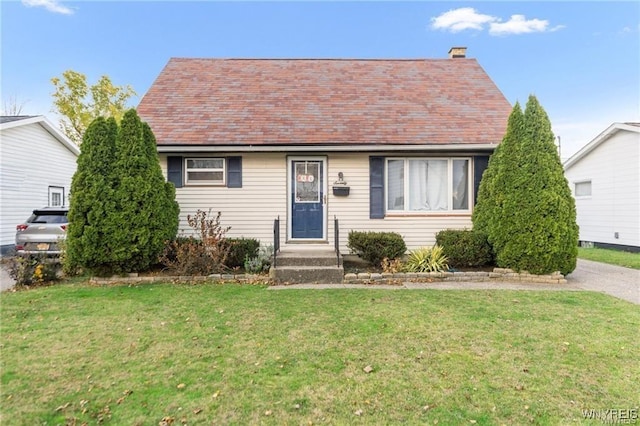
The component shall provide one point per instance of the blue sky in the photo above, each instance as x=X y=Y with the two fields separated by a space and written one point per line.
x=581 y=59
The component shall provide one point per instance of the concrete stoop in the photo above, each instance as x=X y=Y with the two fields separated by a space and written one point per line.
x=305 y=264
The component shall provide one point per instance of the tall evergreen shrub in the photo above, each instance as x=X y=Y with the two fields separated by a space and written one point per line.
x=122 y=210
x=503 y=164
x=89 y=243
x=525 y=205
x=147 y=212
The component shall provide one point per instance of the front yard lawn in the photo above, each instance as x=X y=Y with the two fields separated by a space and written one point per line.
x=229 y=354
x=612 y=257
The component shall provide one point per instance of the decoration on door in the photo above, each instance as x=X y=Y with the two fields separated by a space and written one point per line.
x=307 y=184
x=306 y=178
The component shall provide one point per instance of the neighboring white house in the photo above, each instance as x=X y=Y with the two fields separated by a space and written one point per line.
x=37 y=163
x=605 y=180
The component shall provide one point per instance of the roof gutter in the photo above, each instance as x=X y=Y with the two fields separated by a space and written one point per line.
x=324 y=148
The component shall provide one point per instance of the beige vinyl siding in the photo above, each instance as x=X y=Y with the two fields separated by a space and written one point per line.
x=31 y=160
x=251 y=210
x=353 y=211
x=613 y=168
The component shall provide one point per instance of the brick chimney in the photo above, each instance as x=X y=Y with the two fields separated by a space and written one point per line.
x=458 y=52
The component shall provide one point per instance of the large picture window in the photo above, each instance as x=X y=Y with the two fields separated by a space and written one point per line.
x=427 y=184
x=205 y=171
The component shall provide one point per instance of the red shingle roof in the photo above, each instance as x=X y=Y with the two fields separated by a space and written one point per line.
x=320 y=101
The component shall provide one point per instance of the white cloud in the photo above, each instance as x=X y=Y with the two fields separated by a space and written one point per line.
x=51 y=5
x=518 y=24
x=467 y=18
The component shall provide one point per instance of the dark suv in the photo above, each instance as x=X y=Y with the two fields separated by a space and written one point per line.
x=42 y=231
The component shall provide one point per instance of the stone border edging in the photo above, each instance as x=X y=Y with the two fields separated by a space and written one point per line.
x=498 y=275
x=216 y=278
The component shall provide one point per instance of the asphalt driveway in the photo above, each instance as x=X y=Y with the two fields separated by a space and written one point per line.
x=623 y=283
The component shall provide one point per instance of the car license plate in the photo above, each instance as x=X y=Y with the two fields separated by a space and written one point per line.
x=43 y=246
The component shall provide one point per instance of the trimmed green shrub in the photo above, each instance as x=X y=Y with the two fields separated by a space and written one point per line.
x=426 y=259
x=375 y=246
x=524 y=204
x=465 y=248
x=241 y=249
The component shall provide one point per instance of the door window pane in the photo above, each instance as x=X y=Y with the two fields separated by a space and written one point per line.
x=307 y=181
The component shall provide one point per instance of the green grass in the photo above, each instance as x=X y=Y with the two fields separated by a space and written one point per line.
x=612 y=257
x=228 y=354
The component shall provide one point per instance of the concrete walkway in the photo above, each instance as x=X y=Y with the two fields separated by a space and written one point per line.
x=623 y=283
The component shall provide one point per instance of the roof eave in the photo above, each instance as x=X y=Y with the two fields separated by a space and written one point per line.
x=325 y=148
x=48 y=126
x=597 y=141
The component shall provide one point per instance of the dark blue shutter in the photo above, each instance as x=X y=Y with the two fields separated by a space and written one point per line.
x=376 y=187
x=480 y=163
x=174 y=171
x=234 y=172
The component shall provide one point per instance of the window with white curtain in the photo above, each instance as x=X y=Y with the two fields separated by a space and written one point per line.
x=428 y=184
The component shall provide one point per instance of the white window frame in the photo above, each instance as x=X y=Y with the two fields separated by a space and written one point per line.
x=56 y=190
x=575 y=188
x=450 y=209
x=223 y=169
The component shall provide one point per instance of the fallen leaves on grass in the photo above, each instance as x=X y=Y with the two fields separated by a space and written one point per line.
x=166 y=421
x=124 y=396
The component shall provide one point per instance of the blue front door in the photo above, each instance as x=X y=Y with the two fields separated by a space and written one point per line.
x=307 y=194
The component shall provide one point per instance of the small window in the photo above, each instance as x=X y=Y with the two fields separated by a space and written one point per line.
x=205 y=171
x=56 y=196
x=583 y=189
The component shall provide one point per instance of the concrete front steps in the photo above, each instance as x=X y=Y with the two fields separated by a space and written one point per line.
x=307 y=264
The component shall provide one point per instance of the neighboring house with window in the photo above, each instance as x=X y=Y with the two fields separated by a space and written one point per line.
x=382 y=145
x=605 y=179
x=37 y=163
